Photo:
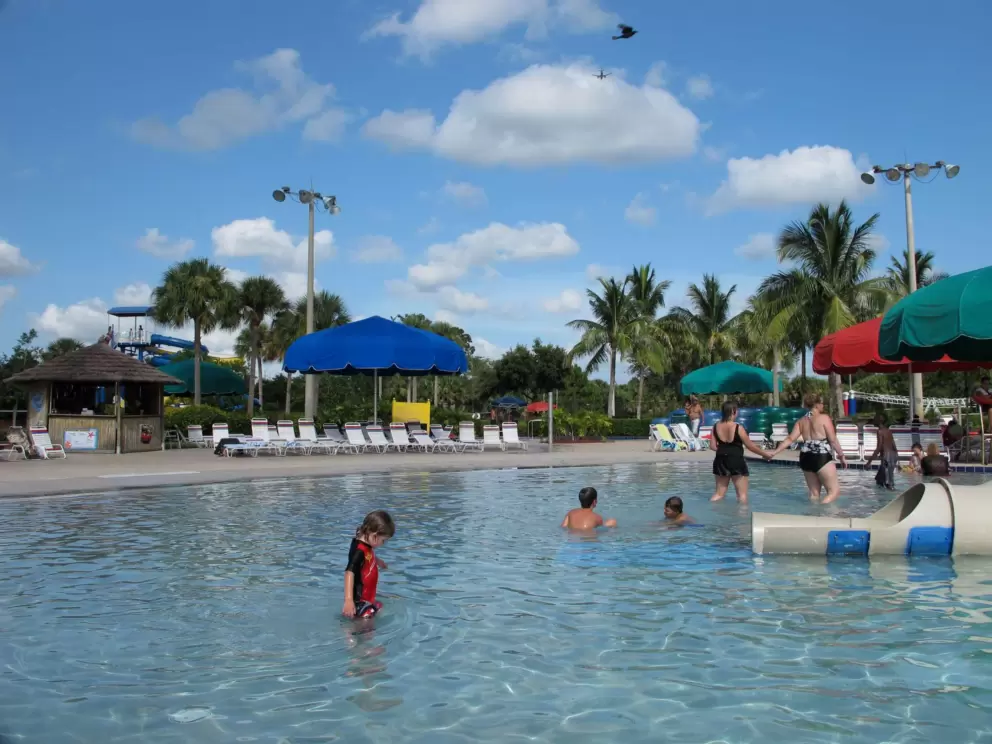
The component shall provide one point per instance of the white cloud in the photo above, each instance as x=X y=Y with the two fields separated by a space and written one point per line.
x=235 y=275
x=283 y=95
x=699 y=87
x=657 y=75
x=326 y=127
x=430 y=227
x=437 y=23
x=801 y=176
x=448 y=262
x=294 y=283
x=640 y=212
x=464 y=193
x=547 y=115
x=714 y=154
x=377 y=249
x=12 y=262
x=456 y=301
x=759 y=247
x=878 y=242
x=487 y=349
x=133 y=295
x=446 y=316
x=259 y=238
x=570 y=300
x=594 y=272
x=86 y=321
x=7 y=293
x=154 y=243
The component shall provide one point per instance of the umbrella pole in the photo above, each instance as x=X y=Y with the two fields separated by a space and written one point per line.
x=375 y=396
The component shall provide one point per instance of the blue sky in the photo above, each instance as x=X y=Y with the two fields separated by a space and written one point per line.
x=485 y=177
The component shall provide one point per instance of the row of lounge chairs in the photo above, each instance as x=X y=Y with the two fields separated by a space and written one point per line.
x=282 y=438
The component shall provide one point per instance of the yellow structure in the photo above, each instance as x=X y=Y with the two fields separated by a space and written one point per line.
x=404 y=412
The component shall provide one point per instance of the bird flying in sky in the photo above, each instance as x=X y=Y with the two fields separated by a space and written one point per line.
x=625 y=31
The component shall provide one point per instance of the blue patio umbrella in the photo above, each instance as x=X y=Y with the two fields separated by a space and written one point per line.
x=509 y=401
x=375 y=346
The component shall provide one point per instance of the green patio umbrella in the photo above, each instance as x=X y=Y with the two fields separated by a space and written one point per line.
x=727 y=378
x=214 y=379
x=952 y=316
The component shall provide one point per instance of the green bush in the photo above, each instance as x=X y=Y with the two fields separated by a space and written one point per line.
x=631 y=428
x=583 y=424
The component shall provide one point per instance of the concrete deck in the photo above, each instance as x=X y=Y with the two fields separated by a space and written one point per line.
x=84 y=473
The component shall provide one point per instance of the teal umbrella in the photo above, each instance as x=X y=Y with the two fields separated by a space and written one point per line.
x=728 y=378
x=214 y=379
x=952 y=316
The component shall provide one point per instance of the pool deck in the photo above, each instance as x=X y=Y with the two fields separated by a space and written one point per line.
x=94 y=473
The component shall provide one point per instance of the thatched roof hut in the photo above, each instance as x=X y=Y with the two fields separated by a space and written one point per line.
x=94 y=364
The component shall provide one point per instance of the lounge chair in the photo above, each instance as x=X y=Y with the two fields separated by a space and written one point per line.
x=466 y=436
x=439 y=432
x=287 y=432
x=43 y=445
x=399 y=436
x=308 y=434
x=15 y=445
x=906 y=436
x=423 y=442
x=664 y=440
x=194 y=435
x=780 y=432
x=869 y=438
x=849 y=439
x=490 y=437
x=683 y=434
x=262 y=439
x=511 y=436
x=356 y=437
x=378 y=440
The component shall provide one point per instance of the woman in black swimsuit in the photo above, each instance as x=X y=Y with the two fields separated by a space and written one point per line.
x=730 y=439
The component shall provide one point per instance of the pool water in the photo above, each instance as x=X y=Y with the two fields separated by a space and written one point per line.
x=211 y=614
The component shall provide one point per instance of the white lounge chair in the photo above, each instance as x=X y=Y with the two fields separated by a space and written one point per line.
x=439 y=432
x=356 y=437
x=308 y=434
x=287 y=432
x=491 y=438
x=849 y=439
x=262 y=439
x=466 y=436
x=685 y=435
x=869 y=437
x=194 y=435
x=423 y=442
x=399 y=437
x=511 y=436
x=378 y=440
x=780 y=432
x=42 y=443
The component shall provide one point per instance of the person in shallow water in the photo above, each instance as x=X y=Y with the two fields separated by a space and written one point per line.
x=585 y=518
x=819 y=442
x=887 y=454
x=674 y=513
x=729 y=439
x=362 y=574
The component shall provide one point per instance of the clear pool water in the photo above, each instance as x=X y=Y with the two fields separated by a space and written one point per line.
x=211 y=614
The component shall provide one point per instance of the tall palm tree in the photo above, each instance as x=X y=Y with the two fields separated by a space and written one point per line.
x=649 y=294
x=831 y=287
x=708 y=324
x=762 y=339
x=60 y=347
x=198 y=292
x=897 y=277
x=328 y=311
x=613 y=331
x=258 y=297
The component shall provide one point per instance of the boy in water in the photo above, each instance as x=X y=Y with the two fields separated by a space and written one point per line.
x=887 y=453
x=584 y=518
x=362 y=574
x=915 y=462
x=674 y=513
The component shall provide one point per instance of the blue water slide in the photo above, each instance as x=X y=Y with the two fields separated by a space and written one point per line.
x=176 y=343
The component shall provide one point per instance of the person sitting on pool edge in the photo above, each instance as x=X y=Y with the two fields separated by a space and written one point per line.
x=915 y=461
x=674 y=513
x=362 y=574
x=585 y=518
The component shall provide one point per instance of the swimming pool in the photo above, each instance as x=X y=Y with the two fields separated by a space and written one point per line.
x=210 y=614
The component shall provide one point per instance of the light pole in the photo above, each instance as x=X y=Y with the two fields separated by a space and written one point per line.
x=906 y=172
x=313 y=200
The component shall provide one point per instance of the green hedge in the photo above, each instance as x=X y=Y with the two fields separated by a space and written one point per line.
x=631 y=428
x=206 y=416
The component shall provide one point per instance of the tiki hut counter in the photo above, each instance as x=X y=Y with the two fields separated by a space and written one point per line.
x=76 y=397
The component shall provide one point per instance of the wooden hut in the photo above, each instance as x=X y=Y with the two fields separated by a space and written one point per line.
x=97 y=399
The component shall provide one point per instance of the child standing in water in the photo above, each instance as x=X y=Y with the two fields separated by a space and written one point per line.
x=888 y=455
x=585 y=518
x=362 y=574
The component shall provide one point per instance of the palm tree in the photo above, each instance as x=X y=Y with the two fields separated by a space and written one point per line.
x=198 y=292
x=613 y=332
x=460 y=337
x=709 y=324
x=328 y=311
x=259 y=297
x=831 y=288
x=421 y=321
x=60 y=347
x=649 y=294
x=897 y=278
x=763 y=340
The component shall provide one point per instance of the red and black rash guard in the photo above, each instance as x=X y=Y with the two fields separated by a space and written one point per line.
x=362 y=564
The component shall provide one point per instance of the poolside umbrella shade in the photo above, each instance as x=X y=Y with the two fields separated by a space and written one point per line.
x=375 y=346
x=726 y=378
x=509 y=401
x=952 y=316
x=215 y=379
x=855 y=349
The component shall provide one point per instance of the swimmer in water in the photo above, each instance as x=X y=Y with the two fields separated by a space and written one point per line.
x=584 y=518
x=674 y=513
x=362 y=574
